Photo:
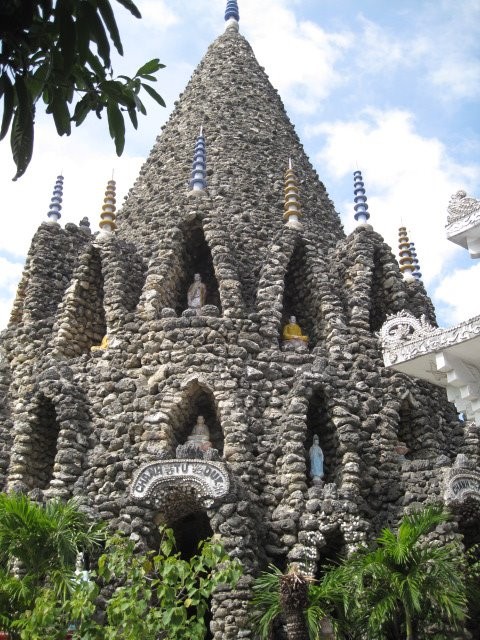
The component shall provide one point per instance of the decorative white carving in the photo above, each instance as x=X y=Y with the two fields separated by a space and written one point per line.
x=209 y=479
x=462 y=484
x=462 y=207
x=405 y=338
x=463 y=222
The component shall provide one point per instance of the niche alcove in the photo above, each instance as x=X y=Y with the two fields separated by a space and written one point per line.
x=380 y=305
x=319 y=423
x=406 y=429
x=297 y=297
x=44 y=430
x=196 y=258
x=331 y=553
x=197 y=401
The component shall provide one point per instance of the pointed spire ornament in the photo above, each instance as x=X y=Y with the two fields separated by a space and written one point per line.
x=406 y=263
x=107 y=222
x=54 y=214
x=416 y=271
x=292 y=202
x=198 y=181
x=361 y=207
x=232 y=15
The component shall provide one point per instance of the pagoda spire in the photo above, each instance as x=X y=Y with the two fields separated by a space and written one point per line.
x=292 y=201
x=198 y=181
x=416 y=271
x=361 y=207
x=407 y=266
x=232 y=15
x=107 y=222
x=54 y=214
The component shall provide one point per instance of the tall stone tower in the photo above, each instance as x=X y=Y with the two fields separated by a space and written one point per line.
x=202 y=401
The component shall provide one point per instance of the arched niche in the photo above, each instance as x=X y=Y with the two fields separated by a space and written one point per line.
x=332 y=552
x=297 y=296
x=82 y=322
x=198 y=400
x=406 y=432
x=197 y=258
x=387 y=294
x=42 y=442
x=320 y=424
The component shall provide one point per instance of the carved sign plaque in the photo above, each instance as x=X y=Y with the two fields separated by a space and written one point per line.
x=462 y=484
x=209 y=478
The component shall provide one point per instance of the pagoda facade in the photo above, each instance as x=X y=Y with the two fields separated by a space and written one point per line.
x=180 y=366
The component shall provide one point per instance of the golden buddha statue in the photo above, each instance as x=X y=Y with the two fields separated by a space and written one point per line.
x=102 y=346
x=292 y=331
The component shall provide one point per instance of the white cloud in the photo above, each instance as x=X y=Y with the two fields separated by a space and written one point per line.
x=378 y=49
x=409 y=180
x=157 y=15
x=298 y=55
x=458 y=293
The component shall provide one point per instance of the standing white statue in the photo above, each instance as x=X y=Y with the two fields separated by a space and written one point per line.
x=197 y=293
x=316 y=461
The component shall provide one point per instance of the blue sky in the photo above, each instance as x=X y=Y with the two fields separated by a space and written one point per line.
x=392 y=88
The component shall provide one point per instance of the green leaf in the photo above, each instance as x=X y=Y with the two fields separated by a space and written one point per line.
x=109 y=19
x=133 y=117
x=128 y=4
x=61 y=115
x=116 y=125
x=156 y=96
x=6 y=90
x=82 y=25
x=21 y=141
x=100 y=37
x=96 y=65
x=67 y=33
x=152 y=66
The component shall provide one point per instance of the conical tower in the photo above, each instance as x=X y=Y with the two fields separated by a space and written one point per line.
x=236 y=383
x=249 y=139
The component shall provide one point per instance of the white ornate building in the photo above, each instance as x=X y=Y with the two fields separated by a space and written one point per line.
x=449 y=358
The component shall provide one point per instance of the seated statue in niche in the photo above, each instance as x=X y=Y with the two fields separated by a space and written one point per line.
x=102 y=346
x=197 y=293
x=200 y=436
x=292 y=332
x=316 y=462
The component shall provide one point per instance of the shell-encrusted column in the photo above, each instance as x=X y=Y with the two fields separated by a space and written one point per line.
x=361 y=207
x=292 y=201
x=198 y=181
x=232 y=15
x=405 y=260
x=54 y=214
x=107 y=222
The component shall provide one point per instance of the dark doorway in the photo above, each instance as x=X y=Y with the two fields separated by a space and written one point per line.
x=44 y=432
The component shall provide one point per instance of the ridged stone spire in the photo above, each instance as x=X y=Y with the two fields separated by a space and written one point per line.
x=361 y=207
x=406 y=262
x=198 y=181
x=107 y=222
x=416 y=271
x=54 y=214
x=292 y=201
x=232 y=15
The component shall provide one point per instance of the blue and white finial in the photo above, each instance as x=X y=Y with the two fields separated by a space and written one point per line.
x=360 y=199
x=416 y=271
x=232 y=15
x=54 y=214
x=198 y=181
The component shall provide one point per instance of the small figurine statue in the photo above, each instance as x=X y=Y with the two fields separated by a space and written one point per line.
x=200 y=436
x=291 y=331
x=102 y=346
x=316 y=461
x=197 y=293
